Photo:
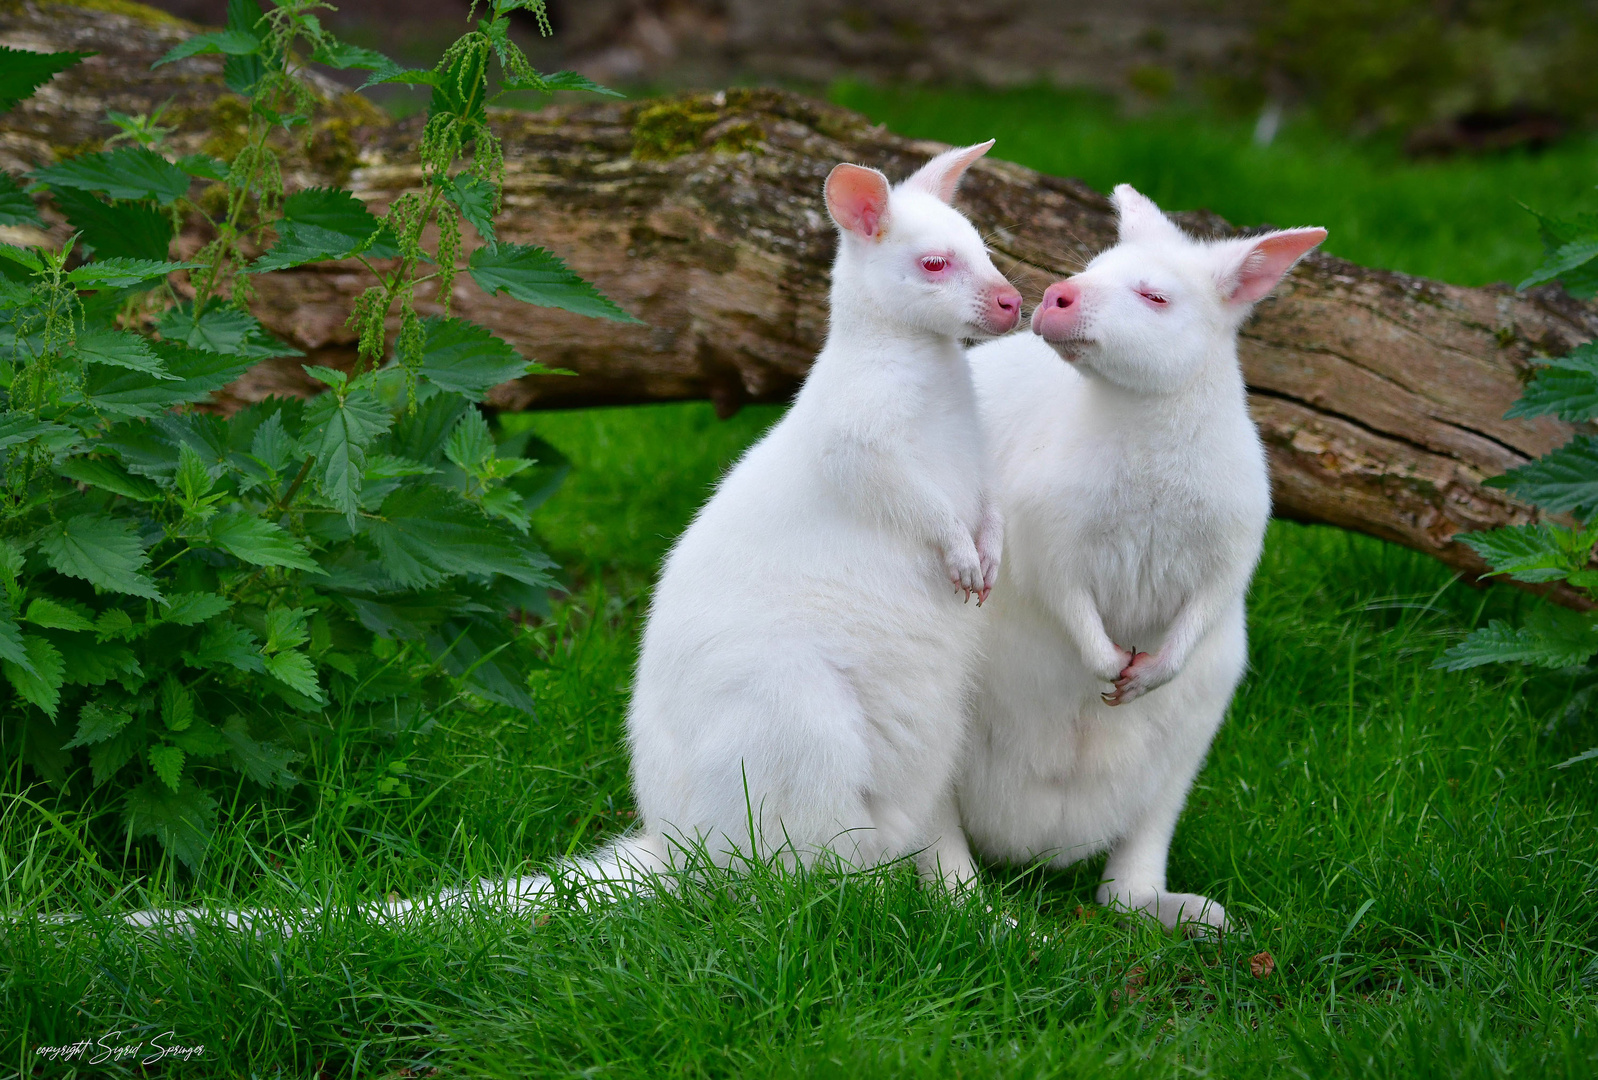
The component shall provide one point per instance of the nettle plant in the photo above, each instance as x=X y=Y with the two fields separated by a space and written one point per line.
x=187 y=595
x=1562 y=482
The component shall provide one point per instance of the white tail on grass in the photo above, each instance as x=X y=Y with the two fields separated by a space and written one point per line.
x=1136 y=497
x=805 y=669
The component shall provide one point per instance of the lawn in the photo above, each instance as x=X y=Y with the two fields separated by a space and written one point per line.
x=1417 y=884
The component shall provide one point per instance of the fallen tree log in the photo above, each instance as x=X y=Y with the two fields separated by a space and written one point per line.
x=1380 y=395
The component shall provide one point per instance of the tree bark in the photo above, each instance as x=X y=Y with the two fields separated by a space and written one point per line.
x=1380 y=396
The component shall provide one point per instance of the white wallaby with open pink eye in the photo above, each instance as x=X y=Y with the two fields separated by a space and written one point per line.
x=1136 y=496
x=805 y=672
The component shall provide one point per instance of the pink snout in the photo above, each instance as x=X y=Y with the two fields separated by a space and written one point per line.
x=1060 y=313
x=1001 y=309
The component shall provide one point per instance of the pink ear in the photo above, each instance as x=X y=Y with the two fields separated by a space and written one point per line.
x=1264 y=261
x=857 y=199
x=940 y=176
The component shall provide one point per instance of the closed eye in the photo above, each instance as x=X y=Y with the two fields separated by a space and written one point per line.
x=1155 y=298
x=934 y=264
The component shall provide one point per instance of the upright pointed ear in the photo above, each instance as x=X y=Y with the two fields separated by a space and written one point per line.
x=1140 y=218
x=940 y=176
x=1254 y=266
x=857 y=199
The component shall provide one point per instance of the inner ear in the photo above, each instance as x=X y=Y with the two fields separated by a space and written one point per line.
x=857 y=199
x=941 y=176
x=1250 y=276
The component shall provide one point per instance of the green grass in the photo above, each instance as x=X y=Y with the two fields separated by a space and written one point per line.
x=1396 y=838
x=1457 y=220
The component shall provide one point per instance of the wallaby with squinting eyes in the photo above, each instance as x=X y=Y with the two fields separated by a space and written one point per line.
x=804 y=677
x=1135 y=493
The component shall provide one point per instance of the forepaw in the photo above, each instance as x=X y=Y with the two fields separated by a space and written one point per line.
x=1195 y=915
x=1138 y=677
x=965 y=570
x=990 y=545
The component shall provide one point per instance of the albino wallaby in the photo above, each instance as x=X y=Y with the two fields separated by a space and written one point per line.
x=1135 y=493
x=806 y=666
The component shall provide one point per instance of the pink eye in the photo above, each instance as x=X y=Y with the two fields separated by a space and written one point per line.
x=1157 y=299
x=934 y=264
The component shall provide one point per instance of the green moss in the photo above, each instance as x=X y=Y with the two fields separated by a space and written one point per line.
x=333 y=149
x=677 y=126
x=140 y=12
x=228 y=121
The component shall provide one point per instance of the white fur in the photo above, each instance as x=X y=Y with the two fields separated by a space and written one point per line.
x=1135 y=493
x=806 y=665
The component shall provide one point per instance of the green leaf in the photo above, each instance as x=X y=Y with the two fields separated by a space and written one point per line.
x=15 y=206
x=1525 y=552
x=471 y=443
x=227 y=645
x=201 y=740
x=1566 y=388
x=121 y=273
x=224 y=330
x=1563 y=260
x=97 y=723
x=337 y=434
x=427 y=533
x=559 y=80
x=40 y=679
x=295 y=670
x=192 y=480
x=241 y=74
x=101 y=550
x=198 y=375
x=58 y=615
x=475 y=198
x=326 y=375
x=1551 y=638
x=167 y=761
x=90 y=662
x=114 y=623
x=118 y=348
x=265 y=763
x=461 y=88
x=319 y=224
x=338 y=54
x=105 y=473
x=22 y=257
x=193 y=608
x=465 y=358
x=123 y=230
x=230 y=42
x=285 y=628
x=22 y=71
x=17 y=428
x=177 y=705
x=127 y=172
x=1564 y=481
x=181 y=820
x=106 y=758
x=419 y=436
x=535 y=276
x=203 y=166
x=475 y=652
x=1585 y=755
x=260 y=542
x=397 y=74
x=12 y=649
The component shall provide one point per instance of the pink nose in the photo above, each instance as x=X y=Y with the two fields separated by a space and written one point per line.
x=1058 y=313
x=1006 y=310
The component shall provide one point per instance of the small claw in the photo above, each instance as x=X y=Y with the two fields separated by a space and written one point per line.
x=1111 y=699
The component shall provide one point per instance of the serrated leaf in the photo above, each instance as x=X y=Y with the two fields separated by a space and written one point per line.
x=97 y=723
x=12 y=650
x=560 y=80
x=203 y=166
x=426 y=533
x=326 y=375
x=343 y=56
x=127 y=172
x=17 y=428
x=419 y=436
x=88 y=661
x=108 y=757
x=181 y=820
x=265 y=763
x=320 y=224
x=107 y=474
x=114 y=623
x=465 y=358
x=1585 y=755
x=1532 y=553
x=22 y=257
x=475 y=653
x=1566 y=388
x=471 y=444
x=58 y=615
x=337 y=434
x=122 y=273
x=167 y=761
x=177 y=705
x=1550 y=638
x=295 y=670
x=201 y=740
x=124 y=230
x=1563 y=260
x=1564 y=481
x=22 y=71
x=229 y=42
x=40 y=679
x=260 y=542
x=535 y=276
x=224 y=330
x=101 y=550
x=15 y=206
x=285 y=628
x=226 y=645
x=475 y=198
x=118 y=348
x=197 y=374
x=193 y=608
